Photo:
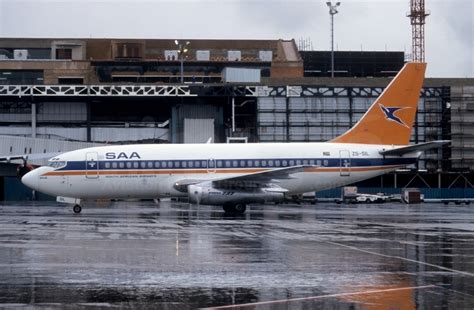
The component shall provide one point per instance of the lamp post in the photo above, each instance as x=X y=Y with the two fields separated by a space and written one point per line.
x=332 y=11
x=182 y=49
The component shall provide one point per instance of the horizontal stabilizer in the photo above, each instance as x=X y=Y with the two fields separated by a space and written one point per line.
x=415 y=148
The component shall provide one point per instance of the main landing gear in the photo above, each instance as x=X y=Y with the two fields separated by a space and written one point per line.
x=77 y=209
x=238 y=208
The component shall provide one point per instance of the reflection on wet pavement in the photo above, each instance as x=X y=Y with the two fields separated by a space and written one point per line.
x=175 y=256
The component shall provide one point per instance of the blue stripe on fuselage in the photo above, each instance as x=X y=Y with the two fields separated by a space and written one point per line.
x=238 y=163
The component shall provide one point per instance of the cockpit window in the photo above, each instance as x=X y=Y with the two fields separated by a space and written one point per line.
x=57 y=164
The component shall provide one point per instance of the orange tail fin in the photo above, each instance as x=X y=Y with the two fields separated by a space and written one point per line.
x=390 y=118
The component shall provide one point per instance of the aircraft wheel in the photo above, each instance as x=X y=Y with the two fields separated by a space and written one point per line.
x=236 y=209
x=77 y=209
x=227 y=208
x=240 y=208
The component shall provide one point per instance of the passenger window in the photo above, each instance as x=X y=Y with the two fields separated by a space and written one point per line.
x=164 y=165
x=242 y=163
x=107 y=165
x=326 y=163
x=219 y=164
x=177 y=164
x=305 y=162
x=143 y=165
x=135 y=164
x=227 y=163
x=203 y=163
x=298 y=162
x=170 y=164
x=121 y=164
x=257 y=163
x=184 y=164
x=114 y=165
x=129 y=164
x=264 y=163
x=191 y=164
x=235 y=164
x=150 y=164
x=292 y=162
x=197 y=164
x=249 y=163
x=270 y=163
x=277 y=163
x=318 y=162
x=284 y=163
x=311 y=162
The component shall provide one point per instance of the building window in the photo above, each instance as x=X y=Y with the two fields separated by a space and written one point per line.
x=71 y=80
x=64 y=53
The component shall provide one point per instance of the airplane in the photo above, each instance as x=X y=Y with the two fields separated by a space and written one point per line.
x=234 y=175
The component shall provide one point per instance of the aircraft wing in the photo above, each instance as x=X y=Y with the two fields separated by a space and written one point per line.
x=258 y=179
x=246 y=181
x=415 y=148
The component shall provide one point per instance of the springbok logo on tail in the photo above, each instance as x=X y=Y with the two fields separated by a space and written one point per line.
x=390 y=114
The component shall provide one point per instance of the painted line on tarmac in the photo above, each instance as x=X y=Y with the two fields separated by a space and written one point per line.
x=464 y=273
x=320 y=297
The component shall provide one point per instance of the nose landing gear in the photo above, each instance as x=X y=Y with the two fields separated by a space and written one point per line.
x=77 y=209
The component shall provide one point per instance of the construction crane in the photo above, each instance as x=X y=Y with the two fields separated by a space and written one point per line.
x=417 y=17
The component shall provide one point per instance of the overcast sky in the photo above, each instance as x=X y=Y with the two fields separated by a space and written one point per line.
x=360 y=25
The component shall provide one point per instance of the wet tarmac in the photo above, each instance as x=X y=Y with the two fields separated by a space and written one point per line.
x=181 y=256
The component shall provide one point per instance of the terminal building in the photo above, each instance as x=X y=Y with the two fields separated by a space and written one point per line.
x=63 y=94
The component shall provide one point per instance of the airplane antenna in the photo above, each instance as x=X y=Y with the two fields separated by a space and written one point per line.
x=417 y=17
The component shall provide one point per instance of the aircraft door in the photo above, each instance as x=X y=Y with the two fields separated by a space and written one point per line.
x=211 y=165
x=92 y=165
x=345 y=163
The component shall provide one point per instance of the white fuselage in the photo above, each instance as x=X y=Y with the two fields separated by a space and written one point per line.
x=151 y=171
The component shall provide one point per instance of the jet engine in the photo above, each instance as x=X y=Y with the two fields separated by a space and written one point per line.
x=209 y=195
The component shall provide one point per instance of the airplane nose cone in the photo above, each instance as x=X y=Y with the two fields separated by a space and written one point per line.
x=30 y=179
